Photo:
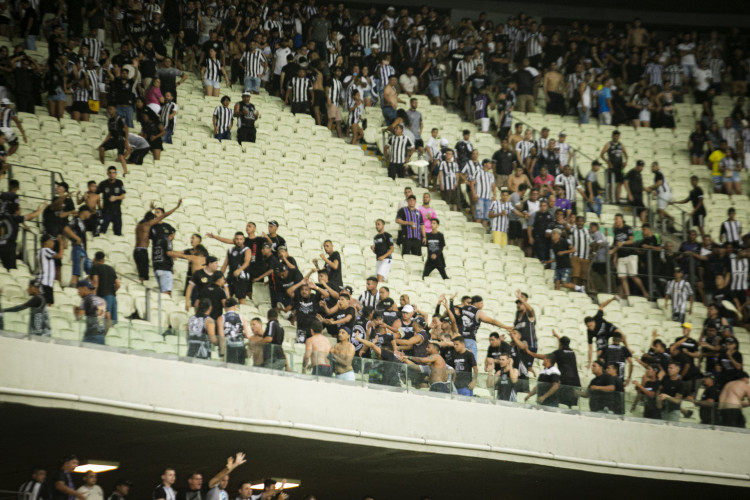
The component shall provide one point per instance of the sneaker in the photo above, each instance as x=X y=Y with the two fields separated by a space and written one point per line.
x=580 y=289
x=688 y=413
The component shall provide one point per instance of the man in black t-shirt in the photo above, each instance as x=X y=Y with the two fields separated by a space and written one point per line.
x=63 y=487
x=496 y=348
x=112 y=192
x=634 y=188
x=671 y=393
x=709 y=400
x=465 y=365
x=285 y=278
x=627 y=258
x=695 y=197
x=383 y=248
x=332 y=264
x=435 y=246
x=106 y=283
x=601 y=330
x=601 y=391
x=10 y=221
x=117 y=137
x=215 y=291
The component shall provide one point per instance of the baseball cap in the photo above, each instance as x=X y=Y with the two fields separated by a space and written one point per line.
x=374 y=46
x=124 y=482
x=281 y=269
x=596 y=162
x=444 y=142
x=639 y=163
x=267 y=245
x=211 y=258
x=246 y=93
x=709 y=375
x=420 y=321
x=86 y=283
x=273 y=223
x=687 y=325
x=5 y=101
x=157 y=10
x=282 y=247
x=486 y=160
x=408 y=309
x=346 y=329
x=562 y=134
x=63 y=184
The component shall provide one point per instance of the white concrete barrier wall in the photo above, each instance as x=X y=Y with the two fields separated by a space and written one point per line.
x=51 y=374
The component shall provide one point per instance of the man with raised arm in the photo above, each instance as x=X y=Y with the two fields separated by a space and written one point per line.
x=436 y=363
x=317 y=348
x=142 y=230
x=601 y=330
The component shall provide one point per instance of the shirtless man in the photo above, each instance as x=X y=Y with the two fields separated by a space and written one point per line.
x=733 y=398
x=142 y=230
x=638 y=36
x=317 y=348
x=319 y=95
x=553 y=90
x=94 y=202
x=436 y=363
x=390 y=100
x=516 y=136
x=519 y=177
x=343 y=354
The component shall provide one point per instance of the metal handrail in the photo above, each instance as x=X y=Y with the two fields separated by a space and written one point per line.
x=52 y=173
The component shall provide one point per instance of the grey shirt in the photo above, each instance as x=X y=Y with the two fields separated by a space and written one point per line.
x=415 y=120
x=601 y=253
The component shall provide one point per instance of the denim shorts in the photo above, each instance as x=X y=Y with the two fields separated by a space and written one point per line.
x=735 y=178
x=212 y=83
x=165 y=280
x=562 y=275
x=482 y=209
x=434 y=88
x=57 y=97
x=252 y=83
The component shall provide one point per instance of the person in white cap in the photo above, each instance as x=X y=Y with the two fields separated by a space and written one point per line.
x=8 y=115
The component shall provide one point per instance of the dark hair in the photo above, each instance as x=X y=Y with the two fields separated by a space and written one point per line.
x=88 y=184
x=226 y=98
x=268 y=482
x=523 y=186
x=494 y=335
x=272 y=314
x=565 y=342
x=316 y=326
x=201 y=250
x=203 y=306
x=597 y=362
x=659 y=342
x=99 y=255
x=381 y=221
x=588 y=319
x=476 y=299
x=111 y=168
x=411 y=197
x=458 y=338
x=372 y=278
x=386 y=289
x=200 y=238
x=239 y=233
x=13 y=184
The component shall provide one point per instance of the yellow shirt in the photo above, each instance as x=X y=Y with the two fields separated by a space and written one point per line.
x=715 y=158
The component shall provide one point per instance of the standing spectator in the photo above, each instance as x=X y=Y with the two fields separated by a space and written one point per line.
x=8 y=115
x=626 y=257
x=714 y=160
x=168 y=115
x=698 y=213
x=390 y=100
x=122 y=488
x=527 y=79
x=62 y=482
x=733 y=398
x=671 y=393
x=539 y=229
x=617 y=159
x=253 y=62
x=112 y=191
x=168 y=76
x=164 y=490
x=34 y=488
x=39 y=323
x=601 y=390
x=428 y=213
x=499 y=214
x=246 y=116
x=212 y=73
x=580 y=260
x=553 y=90
x=569 y=182
x=46 y=258
x=398 y=150
x=117 y=138
x=409 y=82
x=383 y=249
x=633 y=182
x=201 y=329
x=605 y=104
x=730 y=167
x=237 y=267
x=702 y=79
x=332 y=264
x=105 y=281
x=731 y=229
x=483 y=189
x=561 y=250
x=679 y=291
x=548 y=384
x=448 y=180
x=89 y=488
x=435 y=245
x=413 y=227
x=660 y=188
x=95 y=311
x=415 y=125
x=223 y=119
x=594 y=201
x=505 y=162
x=465 y=365
x=299 y=93
x=11 y=219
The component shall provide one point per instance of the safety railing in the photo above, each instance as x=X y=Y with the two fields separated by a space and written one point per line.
x=382 y=368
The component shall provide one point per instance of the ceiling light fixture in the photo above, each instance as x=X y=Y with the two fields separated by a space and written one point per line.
x=97 y=466
x=287 y=485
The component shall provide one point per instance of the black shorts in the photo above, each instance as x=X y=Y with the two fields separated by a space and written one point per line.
x=8 y=255
x=81 y=106
x=191 y=38
x=320 y=99
x=156 y=144
x=140 y=256
x=418 y=143
x=240 y=288
x=618 y=174
x=301 y=107
x=246 y=134
x=515 y=230
x=638 y=205
x=49 y=296
x=697 y=219
x=112 y=143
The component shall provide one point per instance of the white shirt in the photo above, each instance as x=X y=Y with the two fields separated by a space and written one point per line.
x=280 y=59
x=408 y=83
x=688 y=58
x=92 y=493
x=702 y=78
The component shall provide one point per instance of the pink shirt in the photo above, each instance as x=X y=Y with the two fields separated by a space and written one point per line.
x=549 y=180
x=428 y=213
x=153 y=96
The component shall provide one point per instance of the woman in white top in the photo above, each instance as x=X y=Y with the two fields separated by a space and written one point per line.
x=584 y=103
x=356 y=110
x=365 y=86
x=730 y=167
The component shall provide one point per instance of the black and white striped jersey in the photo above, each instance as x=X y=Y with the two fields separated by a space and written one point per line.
x=569 y=183
x=524 y=149
x=483 y=181
x=386 y=39
x=46 y=260
x=81 y=93
x=365 y=35
x=731 y=230
x=581 y=240
x=213 y=70
x=367 y=299
x=224 y=117
x=398 y=146
x=335 y=91
x=739 y=269
x=95 y=79
x=270 y=25
x=541 y=144
x=6 y=117
x=450 y=175
x=253 y=62
x=31 y=490
x=333 y=51
x=500 y=223
x=654 y=73
x=167 y=110
x=355 y=113
x=673 y=74
x=680 y=291
x=384 y=72
x=534 y=43
x=413 y=48
x=95 y=48
x=300 y=89
x=470 y=170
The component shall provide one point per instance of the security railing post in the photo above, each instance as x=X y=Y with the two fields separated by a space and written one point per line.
x=683 y=216
x=148 y=305
x=160 y=312
x=52 y=184
x=650 y=270
x=608 y=261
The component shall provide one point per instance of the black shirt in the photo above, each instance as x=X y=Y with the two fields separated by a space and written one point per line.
x=602 y=399
x=305 y=308
x=52 y=223
x=435 y=245
x=464 y=364
x=107 y=278
x=66 y=478
x=276 y=332
x=382 y=243
x=623 y=234
x=334 y=275
x=562 y=245
x=341 y=314
x=696 y=195
x=159 y=258
x=216 y=295
x=671 y=388
x=603 y=330
x=566 y=362
x=635 y=183
x=495 y=352
x=707 y=412
x=504 y=161
x=9 y=225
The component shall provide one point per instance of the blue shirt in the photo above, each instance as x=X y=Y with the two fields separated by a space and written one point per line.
x=604 y=94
